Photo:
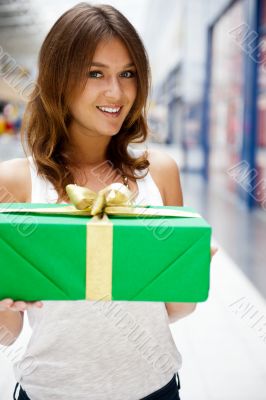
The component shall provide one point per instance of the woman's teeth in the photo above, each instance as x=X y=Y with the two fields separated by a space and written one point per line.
x=110 y=111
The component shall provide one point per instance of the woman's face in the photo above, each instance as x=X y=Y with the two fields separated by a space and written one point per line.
x=110 y=91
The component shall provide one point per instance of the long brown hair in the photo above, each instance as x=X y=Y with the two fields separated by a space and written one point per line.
x=63 y=59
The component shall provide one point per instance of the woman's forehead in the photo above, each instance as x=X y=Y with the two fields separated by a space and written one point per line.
x=112 y=51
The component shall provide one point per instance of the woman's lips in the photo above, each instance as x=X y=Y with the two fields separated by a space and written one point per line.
x=111 y=114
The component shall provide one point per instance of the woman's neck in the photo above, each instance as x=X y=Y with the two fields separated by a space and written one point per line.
x=86 y=149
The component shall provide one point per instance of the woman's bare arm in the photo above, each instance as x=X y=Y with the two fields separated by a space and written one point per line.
x=165 y=172
x=13 y=189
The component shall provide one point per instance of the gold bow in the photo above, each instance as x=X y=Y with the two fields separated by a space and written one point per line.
x=115 y=199
x=116 y=194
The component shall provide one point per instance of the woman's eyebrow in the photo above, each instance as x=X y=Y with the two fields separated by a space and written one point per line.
x=98 y=64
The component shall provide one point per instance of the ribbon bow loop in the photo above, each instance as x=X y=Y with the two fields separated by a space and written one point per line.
x=115 y=194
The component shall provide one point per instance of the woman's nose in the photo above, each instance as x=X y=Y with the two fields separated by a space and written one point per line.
x=113 y=88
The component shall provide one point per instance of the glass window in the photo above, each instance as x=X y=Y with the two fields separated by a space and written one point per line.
x=226 y=102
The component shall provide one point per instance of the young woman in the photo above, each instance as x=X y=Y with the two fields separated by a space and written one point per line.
x=87 y=108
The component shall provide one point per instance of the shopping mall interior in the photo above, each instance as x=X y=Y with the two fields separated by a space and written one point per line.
x=207 y=110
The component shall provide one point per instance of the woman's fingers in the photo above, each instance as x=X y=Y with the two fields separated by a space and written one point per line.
x=32 y=304
x=18 y=306
x=213 y=250
x=23 y=305
x=9 y=304
x=5 y=303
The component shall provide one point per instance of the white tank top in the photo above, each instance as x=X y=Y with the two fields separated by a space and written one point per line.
x=86 y=350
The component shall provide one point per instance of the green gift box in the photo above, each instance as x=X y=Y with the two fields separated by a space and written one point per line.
x=72 y=257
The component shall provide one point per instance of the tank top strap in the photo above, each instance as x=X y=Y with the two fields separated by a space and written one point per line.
x=149 y=190
x=42 y=190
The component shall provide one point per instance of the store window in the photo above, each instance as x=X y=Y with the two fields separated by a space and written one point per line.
x=226 y=100
x=260 y=192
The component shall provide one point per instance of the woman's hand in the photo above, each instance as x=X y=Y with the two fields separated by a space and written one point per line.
x=9 y=304
x=213 y=251
x=11 y=318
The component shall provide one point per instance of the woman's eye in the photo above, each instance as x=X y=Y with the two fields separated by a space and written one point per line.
x=98 y=74
x=94 y=74
x=128 y=74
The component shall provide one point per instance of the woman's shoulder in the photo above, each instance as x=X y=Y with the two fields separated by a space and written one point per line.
x=162 y=160
x=165 y=172
x=15 y=181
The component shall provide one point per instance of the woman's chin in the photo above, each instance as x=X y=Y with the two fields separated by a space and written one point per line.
x=109 y=132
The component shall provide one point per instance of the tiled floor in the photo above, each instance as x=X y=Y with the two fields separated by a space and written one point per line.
x=223 y=343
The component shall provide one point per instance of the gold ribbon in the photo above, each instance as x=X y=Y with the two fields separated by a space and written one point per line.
x=99 y=259
x=114 y=199
x=85 y=199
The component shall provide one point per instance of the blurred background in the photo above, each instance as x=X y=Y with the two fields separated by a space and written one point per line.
x=207 y=109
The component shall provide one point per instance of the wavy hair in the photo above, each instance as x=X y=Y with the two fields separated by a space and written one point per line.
x=64 y=57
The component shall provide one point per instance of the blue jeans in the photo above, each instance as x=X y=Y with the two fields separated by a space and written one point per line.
x=167 y=392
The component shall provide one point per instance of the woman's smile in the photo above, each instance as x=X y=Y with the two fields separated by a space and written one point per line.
x=110 y=112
